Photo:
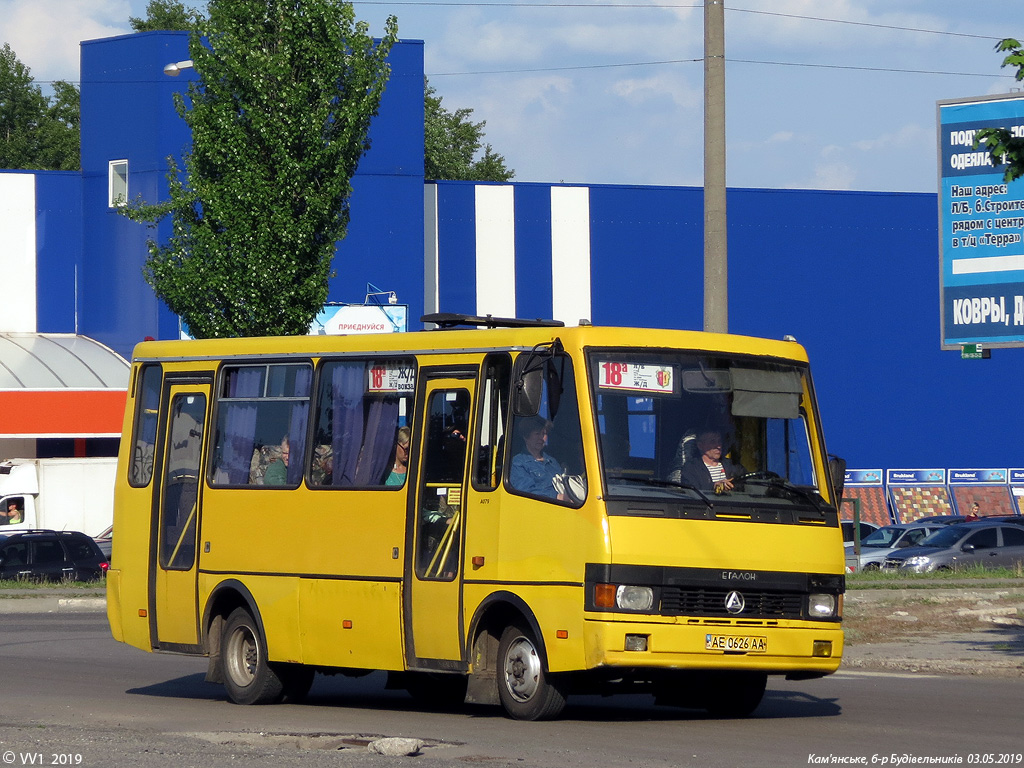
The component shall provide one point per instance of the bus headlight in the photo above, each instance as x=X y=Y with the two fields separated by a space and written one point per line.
x=634 y=598
x=821 y=606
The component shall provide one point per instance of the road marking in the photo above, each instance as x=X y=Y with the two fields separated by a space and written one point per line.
x=901 y=675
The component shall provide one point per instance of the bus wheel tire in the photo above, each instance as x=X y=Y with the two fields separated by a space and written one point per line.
x=524 y=688
x=736 y=694
x=248 y=677
x=296 y=680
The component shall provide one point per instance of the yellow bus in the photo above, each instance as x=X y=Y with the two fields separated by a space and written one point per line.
x=505 y=513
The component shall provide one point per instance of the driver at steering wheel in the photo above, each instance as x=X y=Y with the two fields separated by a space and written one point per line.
x=712 y=471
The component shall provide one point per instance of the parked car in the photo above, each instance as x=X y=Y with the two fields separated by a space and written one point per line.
x=105 y=541
x=944 y=519
x=43 y=555
x=866 y=529
x=880 y=543
x=985 y=543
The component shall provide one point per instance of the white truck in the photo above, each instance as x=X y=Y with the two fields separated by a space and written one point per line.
x=75 y=494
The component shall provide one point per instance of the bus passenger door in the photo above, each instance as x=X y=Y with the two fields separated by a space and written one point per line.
x=434 y=627
x=174 y=620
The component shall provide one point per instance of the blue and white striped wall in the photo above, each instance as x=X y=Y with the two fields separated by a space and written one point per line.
x=565 y=252
x=530 y=256
x=40 y=251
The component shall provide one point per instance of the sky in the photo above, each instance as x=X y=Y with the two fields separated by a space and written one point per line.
x=820 y=94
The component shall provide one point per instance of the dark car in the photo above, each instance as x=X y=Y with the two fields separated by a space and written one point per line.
x=944 y=519
x=41 y=555
x=983 y=543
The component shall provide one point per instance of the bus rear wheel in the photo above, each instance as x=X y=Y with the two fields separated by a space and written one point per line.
x=248 y=677
x=296 y=680
x=524 y=688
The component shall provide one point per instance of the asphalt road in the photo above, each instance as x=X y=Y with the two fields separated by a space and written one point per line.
x=70 y=695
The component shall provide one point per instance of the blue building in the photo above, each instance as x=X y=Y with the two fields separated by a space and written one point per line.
x=852 y=275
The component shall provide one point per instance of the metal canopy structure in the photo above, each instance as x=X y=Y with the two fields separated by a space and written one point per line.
x=60 y=385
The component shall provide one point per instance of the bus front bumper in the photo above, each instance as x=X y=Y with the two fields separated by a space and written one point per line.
x=797 y=649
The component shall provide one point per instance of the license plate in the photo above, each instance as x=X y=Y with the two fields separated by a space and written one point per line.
x=736 y=643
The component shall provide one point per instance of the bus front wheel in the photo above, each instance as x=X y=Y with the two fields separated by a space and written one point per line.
x=524 y=688
x=248 y=677
x=735 y=694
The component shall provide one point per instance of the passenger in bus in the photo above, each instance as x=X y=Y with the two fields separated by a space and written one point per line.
x=712 y=471
x=533 y=470
x=277 y=470
x=322 y=472
x=401 y=466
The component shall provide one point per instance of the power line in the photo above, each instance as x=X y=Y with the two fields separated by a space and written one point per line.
x=559 y=69
x=894 y=70
x=669 y=6
x=866 y=24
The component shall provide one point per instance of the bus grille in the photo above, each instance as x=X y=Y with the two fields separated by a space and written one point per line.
x=680 y=601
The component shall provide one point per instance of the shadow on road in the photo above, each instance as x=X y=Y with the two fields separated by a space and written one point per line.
x=369 y=693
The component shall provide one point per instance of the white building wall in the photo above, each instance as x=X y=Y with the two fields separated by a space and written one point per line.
x=18 y=252
x=570 y=254
x=495 y=251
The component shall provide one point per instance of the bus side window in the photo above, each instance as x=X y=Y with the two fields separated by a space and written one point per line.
x=492 y=420
x=547 y=448
x=262 y=412
x=361 y=406
x=147 y=405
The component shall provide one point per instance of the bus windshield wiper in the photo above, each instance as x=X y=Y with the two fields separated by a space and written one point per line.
x=665 y=484
x=771 y=480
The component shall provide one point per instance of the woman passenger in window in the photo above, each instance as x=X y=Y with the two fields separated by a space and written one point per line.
x=533 y=470
x=401 y=466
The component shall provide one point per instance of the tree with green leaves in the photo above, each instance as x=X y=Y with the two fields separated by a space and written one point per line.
x=36 y=133
x=166 y=15
x=1002 y=145
x=452 y=144
x=279 y=117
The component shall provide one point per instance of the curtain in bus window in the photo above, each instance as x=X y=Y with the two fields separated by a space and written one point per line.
x=239 y=439
x=297 y=423
x=378 y=441
x=245 y=382
x=239 y=442
x=347 y=417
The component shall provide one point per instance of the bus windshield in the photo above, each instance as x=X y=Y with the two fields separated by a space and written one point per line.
x=705 y=428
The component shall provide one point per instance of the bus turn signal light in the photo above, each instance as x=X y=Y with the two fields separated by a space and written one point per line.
x=604 y=595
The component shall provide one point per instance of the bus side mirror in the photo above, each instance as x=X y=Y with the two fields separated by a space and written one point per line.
x=528 y=393
x=837 y=473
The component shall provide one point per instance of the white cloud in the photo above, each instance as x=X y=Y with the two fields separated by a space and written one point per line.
x=657 y=87
x=45 y=34
x=906 y=137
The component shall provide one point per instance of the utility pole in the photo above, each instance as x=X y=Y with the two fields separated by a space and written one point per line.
x=716 y=262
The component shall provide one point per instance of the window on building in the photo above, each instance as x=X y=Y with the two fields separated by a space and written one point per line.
x=117 y=183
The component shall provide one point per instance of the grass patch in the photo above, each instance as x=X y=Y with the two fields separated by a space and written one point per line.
x=974 y=574
x=42 y=586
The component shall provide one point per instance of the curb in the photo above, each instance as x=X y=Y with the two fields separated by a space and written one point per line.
x=53 y=604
